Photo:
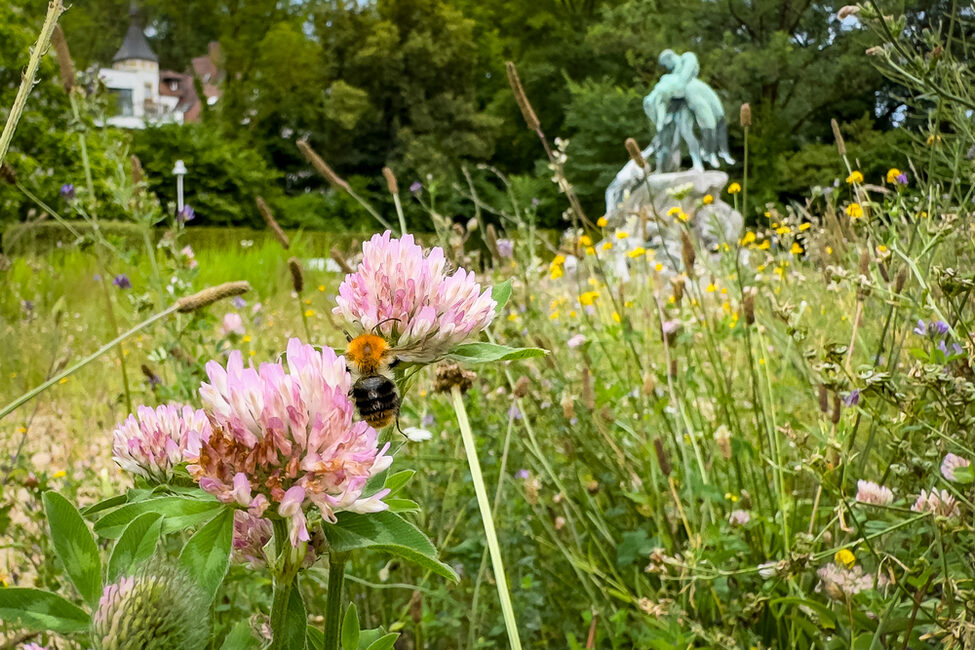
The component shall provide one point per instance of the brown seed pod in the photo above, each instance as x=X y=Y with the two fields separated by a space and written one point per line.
x=211 y=295
x=662 y=458
x=65 y=64
x=521 y=98
x=635 y=154
x=391 y=183
x=7 y=174
x=748 y=304
x=521 y=386
x=135 y=166
x=316 y=161
x=745 y=115
x=687 y=252
x=450 y=375
x=900 y=281
x=840 y=143
x=588 y=396
x=823 y=399
x=336 y=255
x=272 y=223
x=297 y=277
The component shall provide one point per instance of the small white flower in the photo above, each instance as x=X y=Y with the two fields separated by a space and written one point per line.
x=416 y=434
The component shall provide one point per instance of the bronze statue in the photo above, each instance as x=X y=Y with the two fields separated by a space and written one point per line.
x=678 y=102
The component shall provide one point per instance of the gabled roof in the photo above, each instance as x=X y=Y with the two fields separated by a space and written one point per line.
x=135 y=45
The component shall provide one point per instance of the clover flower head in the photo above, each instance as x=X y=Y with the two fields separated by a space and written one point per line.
x=232 y=324
x=506 y=248
x=870 y=492
x=739 y=517
x=161 y=607
x=284 y=435
x=952 y=462
x=937 y=502
x=154 y=441
x=408 y=296
x=840 y=582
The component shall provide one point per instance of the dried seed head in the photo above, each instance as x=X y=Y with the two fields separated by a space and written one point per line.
x=687 y=252
x=272 y=223
x=211 y=295
x=649 y=384
x=884 y=273
x=7 y=174
x=722 y=438
x=136 y=168
x=391 y=183
x=900 y=281
x=748 y=304
x=865 y=264
x=153 y=379
x=297 y=278
x=840 y=143
x=521 y=386
x=450 y=375
x=823 y=399
x=588 y=396
x=65 y=64
x=745 y=115
x=635 y=154
x=836 y=409
x=521 y=98
x=673 y=368
x=847 y=11
x=316 y=161
x=662 y=459
x=336 y=255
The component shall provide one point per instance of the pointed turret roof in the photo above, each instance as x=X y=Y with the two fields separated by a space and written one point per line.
x=135 y=45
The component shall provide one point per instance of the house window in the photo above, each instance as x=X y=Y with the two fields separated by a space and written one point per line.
x=123 y=103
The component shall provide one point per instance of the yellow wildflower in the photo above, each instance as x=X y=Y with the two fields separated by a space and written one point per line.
x=881 y=249
x=590 y=250
x=321 y=287
x=711 y=288
x=558 y=259
x=892 y=174
x=803 y=227
x=247 y=338
x=854 y=211
x=616 y=317
x=602 y=222
x=796 y=249
x=556 y=272
x=707 y=200
x=845 y=557
x=659 y=267
x=59 y=474
x=608 y=246
x=63 y=380
x=783 y=230
x=309 y=313
x=585 y=240
x=854 y=177
x=674 y=210
x=588 y=297
x=748 y=238
x=554 y=315
x=512 y=317
x=734 y=188
x=572 y=313
x=829 y=250
x=637 y=252
x=622 y=234
x=765 y=245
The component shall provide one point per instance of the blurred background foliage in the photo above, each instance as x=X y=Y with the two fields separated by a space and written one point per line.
x=419 y=85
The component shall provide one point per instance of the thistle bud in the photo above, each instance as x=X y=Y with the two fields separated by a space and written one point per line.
x=521 y=98
x=745 y=115
x=450 y=375
x=160 y=608
x=900 y=281
x=211 y=295
x=272 y=223
x=836 y=409
x=678 y=282
x=635 y=154
x=840 y=143
x=297 y=279
x=823 y=399
x=391 y=183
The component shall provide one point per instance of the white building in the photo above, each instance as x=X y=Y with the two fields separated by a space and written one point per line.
x=134 y=79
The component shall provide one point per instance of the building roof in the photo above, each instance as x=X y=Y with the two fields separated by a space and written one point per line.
x=135 y=45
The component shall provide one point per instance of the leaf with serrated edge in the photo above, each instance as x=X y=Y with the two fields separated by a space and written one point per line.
x=206 y=555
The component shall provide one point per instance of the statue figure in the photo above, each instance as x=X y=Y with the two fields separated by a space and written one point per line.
x=678 y=102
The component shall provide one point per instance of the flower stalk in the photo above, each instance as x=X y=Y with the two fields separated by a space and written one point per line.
x=333 y=601
x=470 y=449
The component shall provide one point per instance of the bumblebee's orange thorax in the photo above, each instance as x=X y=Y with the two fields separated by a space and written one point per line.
x=366 y=353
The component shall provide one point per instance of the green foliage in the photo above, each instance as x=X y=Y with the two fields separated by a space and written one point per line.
x=224 y=175
x=75 y=546
x=136 y=545
x=41 y=611
x=206 y=556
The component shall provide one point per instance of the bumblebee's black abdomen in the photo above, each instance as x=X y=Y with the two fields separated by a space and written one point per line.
x=377 y=400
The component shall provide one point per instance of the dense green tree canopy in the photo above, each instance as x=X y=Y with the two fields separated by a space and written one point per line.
x=419 y=85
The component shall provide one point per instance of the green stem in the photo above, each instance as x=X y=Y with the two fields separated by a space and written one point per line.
x=54 y=10
x=284 y=576
x=113 y=323
x=485 y=507
x=31 y=394
x=333 y=602
x=399 y=213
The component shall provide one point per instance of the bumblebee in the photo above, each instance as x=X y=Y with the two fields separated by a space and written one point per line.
x=371 y=360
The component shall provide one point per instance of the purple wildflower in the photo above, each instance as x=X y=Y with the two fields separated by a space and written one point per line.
x=921 y=329
x=416 y=187
x=901 y=179
x=238 y=302
x=427 y=420
x=523 y=474
x=951 y=463
x=939 y=327
x=535 y=201
x=852 y=398
x=186 y=214
x=67 y=192
x=122 y=281
x=514 y=413
x=506 y=248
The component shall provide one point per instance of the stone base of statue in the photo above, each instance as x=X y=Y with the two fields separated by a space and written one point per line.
x=647 y=214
